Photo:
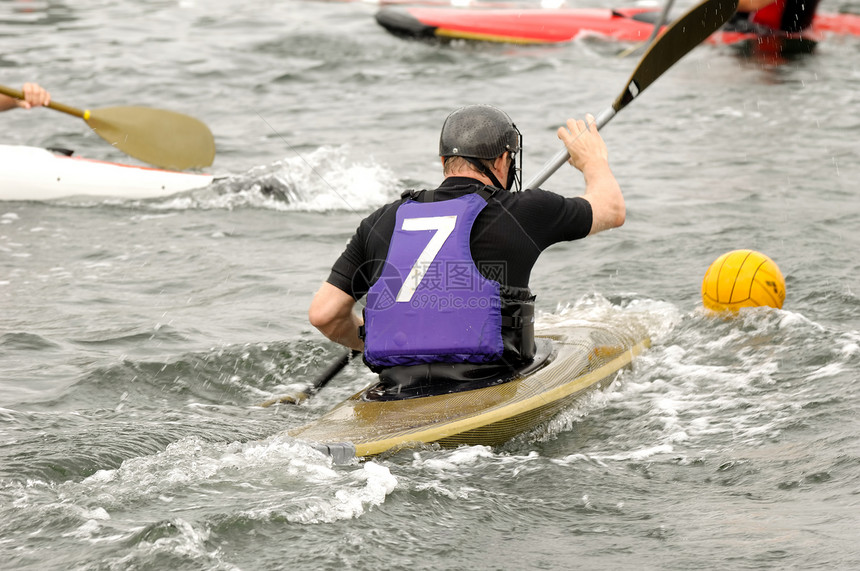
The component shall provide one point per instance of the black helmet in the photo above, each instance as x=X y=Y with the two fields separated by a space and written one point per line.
x=478 y=131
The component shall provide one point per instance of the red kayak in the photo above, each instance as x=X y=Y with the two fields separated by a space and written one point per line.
x=548 y=26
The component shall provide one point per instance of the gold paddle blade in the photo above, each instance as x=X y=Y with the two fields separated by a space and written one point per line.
x=165 y=139
x=162 y=138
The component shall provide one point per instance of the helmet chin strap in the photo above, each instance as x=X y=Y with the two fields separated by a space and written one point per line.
x=515 y=175
x=487 y=172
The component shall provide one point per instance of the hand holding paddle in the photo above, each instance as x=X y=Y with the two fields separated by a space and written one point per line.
x=321 y=381
x=680 y=38
x=34 y=95
x=161 y=138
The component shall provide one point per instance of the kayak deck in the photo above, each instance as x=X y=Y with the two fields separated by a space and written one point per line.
x=583 y=358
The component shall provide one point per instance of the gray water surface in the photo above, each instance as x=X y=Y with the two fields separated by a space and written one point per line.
x=137 y=339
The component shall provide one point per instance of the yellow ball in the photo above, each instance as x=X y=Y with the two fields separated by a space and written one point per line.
x=743 y=278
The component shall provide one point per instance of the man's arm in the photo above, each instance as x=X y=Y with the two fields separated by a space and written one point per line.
x=7 y=102
x=332 y=313
x=753 y=5
x=589 y=155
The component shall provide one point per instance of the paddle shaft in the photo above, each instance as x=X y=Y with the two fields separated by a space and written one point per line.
x=332 y=370
x=322 y=380
x=14 y=93
x=664 y=15
x=680 y=38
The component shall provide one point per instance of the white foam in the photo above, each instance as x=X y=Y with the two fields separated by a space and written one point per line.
x=319 y=181
x=462 y=456
x=637 y=455
x=295 y=481
x=849 y=344
x=705 y=378
x=659 y=318
x=828 y=370
x=190 y=461
x=350 y=503
x=186 y=540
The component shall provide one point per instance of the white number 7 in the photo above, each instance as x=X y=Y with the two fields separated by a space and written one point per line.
x=443 y=225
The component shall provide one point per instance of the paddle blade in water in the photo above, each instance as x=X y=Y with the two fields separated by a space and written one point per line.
x=162 y=138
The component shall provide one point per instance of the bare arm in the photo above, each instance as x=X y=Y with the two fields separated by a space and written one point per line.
x=7 y=102
x=34 y=96
x=588 y=153
x=753 y=5
x=332 y=313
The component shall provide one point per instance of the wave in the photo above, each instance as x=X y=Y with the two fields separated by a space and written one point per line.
x=319 y=181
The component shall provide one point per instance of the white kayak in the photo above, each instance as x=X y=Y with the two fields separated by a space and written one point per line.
x=32 y=173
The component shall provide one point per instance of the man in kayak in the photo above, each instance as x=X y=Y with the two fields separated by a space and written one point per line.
x=34 y=96
x=790 y=16
x=446 y=271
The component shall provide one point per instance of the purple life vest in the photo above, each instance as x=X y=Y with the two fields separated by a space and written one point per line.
x=430 y=303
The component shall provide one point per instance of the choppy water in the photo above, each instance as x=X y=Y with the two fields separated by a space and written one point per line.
x=137 y=338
